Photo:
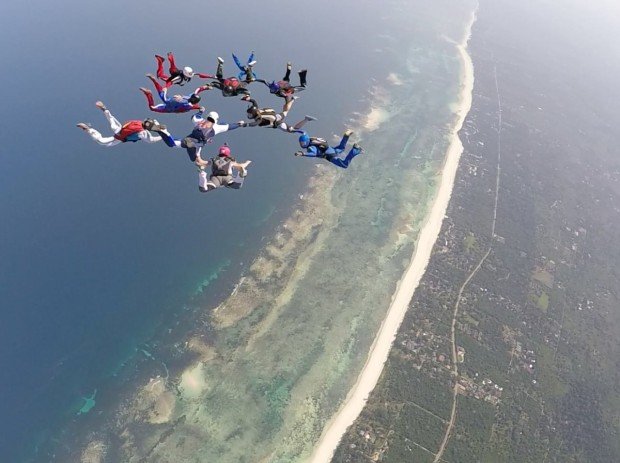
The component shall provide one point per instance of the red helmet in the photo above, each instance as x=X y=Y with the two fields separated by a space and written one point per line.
x=224 y=151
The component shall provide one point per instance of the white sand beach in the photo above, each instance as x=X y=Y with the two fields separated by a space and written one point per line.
x=367 y=380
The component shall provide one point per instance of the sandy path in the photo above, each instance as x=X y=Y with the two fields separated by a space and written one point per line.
x=380 y=349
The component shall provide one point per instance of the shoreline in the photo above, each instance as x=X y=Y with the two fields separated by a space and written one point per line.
x=356 y=398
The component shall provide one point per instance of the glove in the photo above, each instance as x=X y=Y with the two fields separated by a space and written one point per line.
x=299 y=153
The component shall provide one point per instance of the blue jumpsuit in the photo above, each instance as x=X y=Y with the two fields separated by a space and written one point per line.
x=170 y=105
x=330 y=154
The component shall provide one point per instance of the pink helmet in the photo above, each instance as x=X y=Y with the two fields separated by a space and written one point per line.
x=224 y=151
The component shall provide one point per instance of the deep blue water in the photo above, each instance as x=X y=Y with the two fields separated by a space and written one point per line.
x=99 y=246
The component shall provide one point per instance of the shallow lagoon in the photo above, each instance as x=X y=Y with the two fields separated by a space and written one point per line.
x=291 y=339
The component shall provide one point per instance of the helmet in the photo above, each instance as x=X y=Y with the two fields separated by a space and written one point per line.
x=229 y=89
x=148 y=123
x=213 y=117
x=188 y=72
x=194 y=98
x=252 y=112
x=304 y=140
x=274 y=87
x=224 y=151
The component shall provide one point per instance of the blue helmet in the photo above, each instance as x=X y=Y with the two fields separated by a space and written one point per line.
x=304 y=140
x=274 y=87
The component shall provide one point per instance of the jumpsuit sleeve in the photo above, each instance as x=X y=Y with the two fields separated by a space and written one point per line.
x=149 y=137
x=220 y=128
x=311 y=152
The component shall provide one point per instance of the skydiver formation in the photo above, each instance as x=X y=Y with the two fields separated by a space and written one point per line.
x=225 y=170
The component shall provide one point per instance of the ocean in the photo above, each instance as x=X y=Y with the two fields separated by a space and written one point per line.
x=111 y=262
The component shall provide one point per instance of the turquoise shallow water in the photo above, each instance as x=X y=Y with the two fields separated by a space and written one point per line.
x=121 y=265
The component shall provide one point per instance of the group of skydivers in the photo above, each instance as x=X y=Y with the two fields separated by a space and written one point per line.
x=225 y=170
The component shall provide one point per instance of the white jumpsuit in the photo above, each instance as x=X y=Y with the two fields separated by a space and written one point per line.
x=116 y=126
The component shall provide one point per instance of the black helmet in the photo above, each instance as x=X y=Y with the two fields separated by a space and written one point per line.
x=252 y=112
x=229 y=89
x=194 y=98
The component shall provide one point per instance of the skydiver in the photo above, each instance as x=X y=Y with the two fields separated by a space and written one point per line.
x=203 y=133
x=130 y=131
x=225 y=171
x=177 y=76
x=176 y=104
x=233 y=86
x=318 y=148
x=283 y=88
x=267 y=117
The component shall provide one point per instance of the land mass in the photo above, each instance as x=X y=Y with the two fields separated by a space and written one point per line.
x=508 y=352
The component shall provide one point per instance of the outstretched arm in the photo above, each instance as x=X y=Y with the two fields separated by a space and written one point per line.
x=242 y=167
x=168 y=139
x=149 y=137
x=311 y=152
x=204 y=76
x=221 y=128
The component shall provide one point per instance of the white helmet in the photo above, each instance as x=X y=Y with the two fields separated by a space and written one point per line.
x=213 y=116
x=188 y=72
